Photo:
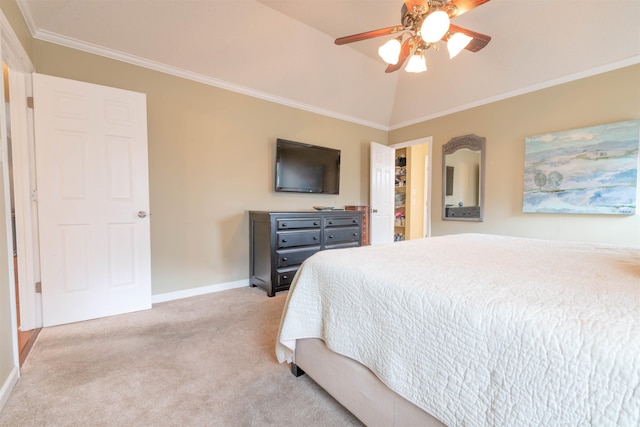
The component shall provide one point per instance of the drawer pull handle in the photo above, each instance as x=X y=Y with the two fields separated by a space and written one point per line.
x=315 y=223
x=284 y=224
x=355 y=234
x=284 y=240
x=285 y=259
x=315 y=237
x=331 y=236
x=285 y=277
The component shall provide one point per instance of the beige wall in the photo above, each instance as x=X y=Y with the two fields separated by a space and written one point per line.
x=415 y=198
x=211 y=158
x=604 y=98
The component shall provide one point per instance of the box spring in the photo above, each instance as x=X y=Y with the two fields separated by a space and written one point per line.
x=357 y=388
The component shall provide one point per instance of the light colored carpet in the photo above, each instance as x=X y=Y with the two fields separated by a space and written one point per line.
x=201 y=361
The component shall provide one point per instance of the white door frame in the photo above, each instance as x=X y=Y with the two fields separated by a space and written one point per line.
x=428 y=175
x=15 y=57
x=24 y=194
x=427 y=193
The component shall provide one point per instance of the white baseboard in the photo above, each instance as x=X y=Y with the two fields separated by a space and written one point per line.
x=170 y=296
x=8 y=385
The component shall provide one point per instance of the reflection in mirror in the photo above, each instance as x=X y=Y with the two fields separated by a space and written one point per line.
x=463 y=178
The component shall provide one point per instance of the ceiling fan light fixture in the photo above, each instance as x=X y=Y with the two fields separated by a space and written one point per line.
x=456 y=43
x=435 y=26
x=390 y=51
x=417 y=64
x=424 y=23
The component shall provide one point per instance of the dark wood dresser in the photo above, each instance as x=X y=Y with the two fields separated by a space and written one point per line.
x=281 y=241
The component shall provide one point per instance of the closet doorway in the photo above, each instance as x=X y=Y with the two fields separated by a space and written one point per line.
x=412 y=190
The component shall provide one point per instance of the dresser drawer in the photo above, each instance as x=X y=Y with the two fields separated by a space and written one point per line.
x=285 y=276
x=288 y=239
x=341 y=221
x=341 y=245
x=294 y=256
x=297 y=223
x=340 y=235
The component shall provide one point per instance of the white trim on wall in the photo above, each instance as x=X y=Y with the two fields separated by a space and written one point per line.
x=187 y=293
x=26 y=231
x=189 y=75
x=13 y=54
x=523 y=90
x=15 y=57
x=17 y=60
x=8 y=385
x=73 y=43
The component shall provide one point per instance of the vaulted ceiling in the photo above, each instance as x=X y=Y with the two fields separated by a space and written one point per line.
x=283 y=50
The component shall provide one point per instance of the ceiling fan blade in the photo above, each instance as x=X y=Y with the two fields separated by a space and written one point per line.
x=369 y=35
x=463 y=6
x=479 y=40
x=405 y=51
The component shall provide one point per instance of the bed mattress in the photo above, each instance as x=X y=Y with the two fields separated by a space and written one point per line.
x=482 y=330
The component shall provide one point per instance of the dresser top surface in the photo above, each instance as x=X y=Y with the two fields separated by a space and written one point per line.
x=309 y=212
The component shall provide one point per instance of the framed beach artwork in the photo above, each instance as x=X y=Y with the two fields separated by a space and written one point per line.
x=591 y=170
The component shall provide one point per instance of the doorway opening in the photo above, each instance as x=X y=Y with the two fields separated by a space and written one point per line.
x=412 y=195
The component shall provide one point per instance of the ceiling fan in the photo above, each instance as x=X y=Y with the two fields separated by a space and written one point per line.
x=424 y=24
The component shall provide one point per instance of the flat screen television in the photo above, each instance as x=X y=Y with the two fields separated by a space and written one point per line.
x=306 y=168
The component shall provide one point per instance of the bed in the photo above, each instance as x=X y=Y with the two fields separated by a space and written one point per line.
x=471 y=330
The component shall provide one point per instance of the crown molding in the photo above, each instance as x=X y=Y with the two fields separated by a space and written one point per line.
x=524 y=90
x=13 y=52
x=73 y=43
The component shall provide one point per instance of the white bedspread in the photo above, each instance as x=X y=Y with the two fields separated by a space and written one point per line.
x=483 y=330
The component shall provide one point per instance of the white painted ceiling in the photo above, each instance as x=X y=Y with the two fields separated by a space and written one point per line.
x=283 y=50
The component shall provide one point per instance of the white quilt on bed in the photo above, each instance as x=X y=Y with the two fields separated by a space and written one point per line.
x=483 y=330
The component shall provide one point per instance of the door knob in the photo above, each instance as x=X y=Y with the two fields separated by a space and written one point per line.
x=374 y=210
x=142 y=214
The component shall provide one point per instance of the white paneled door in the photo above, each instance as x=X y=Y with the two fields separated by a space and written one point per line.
x=93 y=200
x=381 y=193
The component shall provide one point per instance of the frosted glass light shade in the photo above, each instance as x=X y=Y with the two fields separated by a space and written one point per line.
x=435 y=26
x=390 y=51
x=457 y=42
x=417 y=64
